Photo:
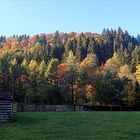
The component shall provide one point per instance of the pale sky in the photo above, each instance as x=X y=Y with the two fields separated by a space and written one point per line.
x=45 y=16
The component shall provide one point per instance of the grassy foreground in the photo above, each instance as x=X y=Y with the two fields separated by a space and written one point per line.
x=72 y=126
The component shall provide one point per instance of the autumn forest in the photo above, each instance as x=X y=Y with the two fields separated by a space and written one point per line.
x=72 y=68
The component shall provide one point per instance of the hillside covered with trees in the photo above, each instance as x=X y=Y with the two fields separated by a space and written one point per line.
x=72 y=68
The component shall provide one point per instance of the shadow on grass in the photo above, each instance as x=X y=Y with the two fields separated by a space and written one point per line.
x=21 y=118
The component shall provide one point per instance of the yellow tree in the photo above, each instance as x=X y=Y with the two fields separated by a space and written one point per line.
x=111 y=66
x=72 y=69
x=124 y=71
x=33 y=66
x=137 y=74
x=52 y=81
x=116 y=59
x=88 y=70
x=89 y=91
x=129 y=93
x=14 y=72
x=51 y=71
x=32 y=80
x=89 y=64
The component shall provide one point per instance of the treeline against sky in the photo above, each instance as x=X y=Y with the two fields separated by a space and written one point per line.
x=72 y=68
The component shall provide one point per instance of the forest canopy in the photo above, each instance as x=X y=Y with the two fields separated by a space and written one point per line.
x=72 y=68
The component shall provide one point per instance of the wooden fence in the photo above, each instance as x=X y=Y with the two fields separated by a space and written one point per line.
x=66 y=108
x=45 y=108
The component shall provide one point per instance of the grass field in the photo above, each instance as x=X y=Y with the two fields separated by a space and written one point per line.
x=72 y=126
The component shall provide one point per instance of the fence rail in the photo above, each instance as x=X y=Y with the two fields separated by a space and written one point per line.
x=45 y=108
x=65 y=108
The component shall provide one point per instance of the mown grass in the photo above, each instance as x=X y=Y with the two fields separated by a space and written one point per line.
x=72 y=126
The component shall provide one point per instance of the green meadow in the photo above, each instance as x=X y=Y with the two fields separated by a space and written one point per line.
x=72 y=126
